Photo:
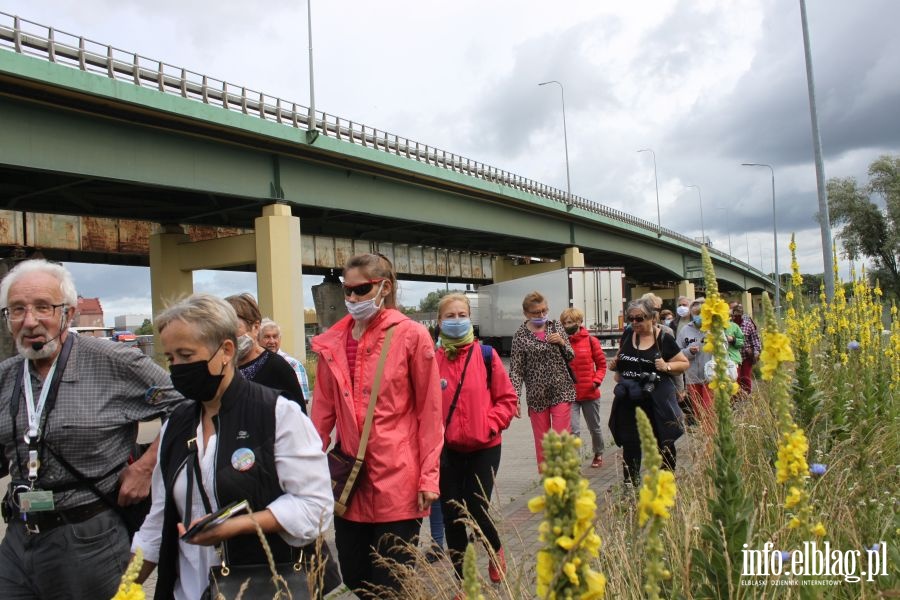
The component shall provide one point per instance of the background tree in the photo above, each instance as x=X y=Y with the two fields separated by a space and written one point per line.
x=146 y=328
x=871 y=219
x=430 y=302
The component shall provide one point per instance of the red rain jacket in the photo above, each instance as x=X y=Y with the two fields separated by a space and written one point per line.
x=481 y=413
x=403 y=453
x=589 y=364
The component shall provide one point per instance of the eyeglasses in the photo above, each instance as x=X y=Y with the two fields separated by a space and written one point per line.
x=361 y=289
x=38 y=311
x=538 y=313
x=632 y=319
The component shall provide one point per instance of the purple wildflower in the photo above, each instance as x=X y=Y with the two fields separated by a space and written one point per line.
x=785 y=556
x=817 y=469
x=852 y=345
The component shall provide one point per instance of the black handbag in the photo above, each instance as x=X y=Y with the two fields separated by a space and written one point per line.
x=260 y=583
x=290 y=579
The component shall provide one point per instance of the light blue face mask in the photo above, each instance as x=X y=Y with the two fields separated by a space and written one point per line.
x=697 y=319
x=539 y=322
x=456 y=328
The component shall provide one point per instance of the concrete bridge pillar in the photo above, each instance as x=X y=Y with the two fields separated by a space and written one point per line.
x=746 y=300
x=505 y=270
x=168 y=281
x=279 y=277
x=638 y=291
x=684 y=288
x=572 y=257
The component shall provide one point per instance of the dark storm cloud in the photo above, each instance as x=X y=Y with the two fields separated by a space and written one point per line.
x=857 y=85
x=514 y=108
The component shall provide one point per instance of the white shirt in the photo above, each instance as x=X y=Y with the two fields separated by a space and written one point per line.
x=303 y=510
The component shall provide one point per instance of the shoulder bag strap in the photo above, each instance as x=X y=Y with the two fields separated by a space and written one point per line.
x=462 y=378
x=192 y=466
x=376 y=386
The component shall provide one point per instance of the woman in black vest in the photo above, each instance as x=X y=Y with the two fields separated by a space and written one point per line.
x=236 y=440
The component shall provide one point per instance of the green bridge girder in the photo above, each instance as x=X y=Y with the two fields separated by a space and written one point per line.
x=81 y=143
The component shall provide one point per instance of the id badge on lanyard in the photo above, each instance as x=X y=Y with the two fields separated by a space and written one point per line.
x=35 y=500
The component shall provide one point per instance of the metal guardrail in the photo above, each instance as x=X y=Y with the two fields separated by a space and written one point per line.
x=32 y=39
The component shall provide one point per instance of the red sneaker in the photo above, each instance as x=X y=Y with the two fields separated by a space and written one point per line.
x=597 y=462
x=497 y=569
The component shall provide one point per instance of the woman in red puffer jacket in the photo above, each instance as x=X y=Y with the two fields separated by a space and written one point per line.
x=589 y=367
x=478 y=405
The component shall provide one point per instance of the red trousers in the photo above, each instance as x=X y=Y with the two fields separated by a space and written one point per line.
x=745 y=375
x=558 y=416
x=700 y=397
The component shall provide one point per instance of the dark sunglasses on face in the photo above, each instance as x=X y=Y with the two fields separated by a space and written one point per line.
x=361 y=289
x=637 y=319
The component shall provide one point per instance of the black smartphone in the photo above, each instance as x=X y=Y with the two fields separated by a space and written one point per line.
x=217 y=518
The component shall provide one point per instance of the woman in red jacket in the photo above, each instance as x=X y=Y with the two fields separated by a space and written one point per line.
x=589 y=366
x=479 y=403
x=400 y=480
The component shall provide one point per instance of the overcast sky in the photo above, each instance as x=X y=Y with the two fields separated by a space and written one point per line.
x=706 y=84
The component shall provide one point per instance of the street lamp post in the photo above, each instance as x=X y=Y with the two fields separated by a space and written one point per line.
x=774 y=233
x=727 y=227
x=824 y=218
x=656 y=183
x=702 y=229
x=565 y=141
x=311 y=119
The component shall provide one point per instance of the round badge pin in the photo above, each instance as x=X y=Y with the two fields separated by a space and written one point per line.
x=443 y=384
x=243 y=459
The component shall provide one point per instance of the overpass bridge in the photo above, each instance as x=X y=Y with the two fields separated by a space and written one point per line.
x=97 y=132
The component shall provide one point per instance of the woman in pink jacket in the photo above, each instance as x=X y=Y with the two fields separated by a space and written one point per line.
x=479 y=403
x=400 y=480
x=589 y=366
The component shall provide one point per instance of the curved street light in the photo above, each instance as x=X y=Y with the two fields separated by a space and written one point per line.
x=565 y=140
x=656 y=182
x=774 y=233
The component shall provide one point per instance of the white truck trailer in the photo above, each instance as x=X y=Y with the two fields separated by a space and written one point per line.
x=598 y=291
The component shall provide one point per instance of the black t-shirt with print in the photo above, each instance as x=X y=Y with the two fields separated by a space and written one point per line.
x=631 y=362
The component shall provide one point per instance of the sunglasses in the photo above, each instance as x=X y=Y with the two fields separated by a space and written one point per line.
x=361 y=289
x=635 y=319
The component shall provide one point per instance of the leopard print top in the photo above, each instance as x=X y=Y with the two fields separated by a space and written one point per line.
x=542 y=368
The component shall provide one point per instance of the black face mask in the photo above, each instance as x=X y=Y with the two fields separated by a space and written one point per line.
x=194 y=381
x=573 y=329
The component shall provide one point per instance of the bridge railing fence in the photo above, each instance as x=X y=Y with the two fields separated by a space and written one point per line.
x=32 y=39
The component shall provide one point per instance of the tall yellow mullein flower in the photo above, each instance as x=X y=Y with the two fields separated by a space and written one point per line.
x=567 y=531
x=128 y=589
x=656 y=497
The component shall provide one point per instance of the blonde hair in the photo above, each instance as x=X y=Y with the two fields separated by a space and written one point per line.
x=532 y=298
x=376 y=266
x=653 y=298
x=213 y=319
x=572 y=313
x=454 y=297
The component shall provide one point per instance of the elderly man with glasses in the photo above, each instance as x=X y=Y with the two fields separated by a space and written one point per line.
x=69 y=412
